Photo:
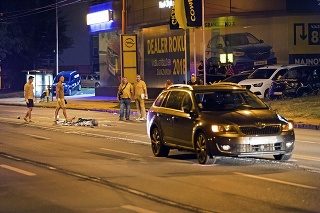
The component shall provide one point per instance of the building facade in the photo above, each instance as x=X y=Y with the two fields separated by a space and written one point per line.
x=244 y=33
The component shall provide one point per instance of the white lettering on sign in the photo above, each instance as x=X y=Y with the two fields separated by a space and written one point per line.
x=165 y=3
x=308 y=61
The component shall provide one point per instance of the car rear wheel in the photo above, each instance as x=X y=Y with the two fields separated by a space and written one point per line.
x=158 y=149
x=283 y=157
x=201 y=150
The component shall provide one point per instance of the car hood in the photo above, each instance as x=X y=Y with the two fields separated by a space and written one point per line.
x=253 y=81
x=243 y=117
x=251 y=48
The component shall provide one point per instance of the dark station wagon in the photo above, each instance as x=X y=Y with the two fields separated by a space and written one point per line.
x=223 y=119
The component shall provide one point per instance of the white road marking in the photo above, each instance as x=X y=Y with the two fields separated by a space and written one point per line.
x=312 y=142
x=306 y=157
x=127 y=153
x=17 y=170
x=38 y=137
x=276 y=181
x=136 y=209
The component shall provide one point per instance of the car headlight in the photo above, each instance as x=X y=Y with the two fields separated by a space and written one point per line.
x=223 y=128
x=287 y=127
x=258 y=84
x=239 y=53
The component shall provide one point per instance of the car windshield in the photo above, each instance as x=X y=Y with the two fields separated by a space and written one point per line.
x=228 y=100
x=262 y=74
x=56 y=79
x=240 y=39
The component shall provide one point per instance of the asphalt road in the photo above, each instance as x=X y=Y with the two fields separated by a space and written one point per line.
x=110 y=168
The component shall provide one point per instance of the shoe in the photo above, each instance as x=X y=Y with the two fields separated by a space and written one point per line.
x=142 y=119
x=128 y=119
x=25 y=119
x=121 y=119
x=138 y=119
x=30 y=121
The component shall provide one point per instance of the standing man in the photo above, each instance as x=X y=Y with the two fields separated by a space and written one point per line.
x=60 y=99
x=125 y=93
x=140 y=93
x=29 y=96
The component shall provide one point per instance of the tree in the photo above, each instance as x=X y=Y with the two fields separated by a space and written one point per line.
x=28 y=34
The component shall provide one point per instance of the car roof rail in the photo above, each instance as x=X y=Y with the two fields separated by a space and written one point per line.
x=226 y=84
x=180 y=86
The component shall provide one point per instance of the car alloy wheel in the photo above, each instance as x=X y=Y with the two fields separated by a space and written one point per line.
x=201 y=150
x=158 y=149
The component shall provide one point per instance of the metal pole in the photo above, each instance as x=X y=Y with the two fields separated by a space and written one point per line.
x=185 y=57
x=204 y=47
x=57 y=40
x=124 y=16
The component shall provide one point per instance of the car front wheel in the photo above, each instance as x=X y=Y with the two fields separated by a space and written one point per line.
x=201 y=150
x=283 y=157
x=158 y=149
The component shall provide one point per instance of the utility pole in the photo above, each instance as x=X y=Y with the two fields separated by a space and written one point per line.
x=124 y=17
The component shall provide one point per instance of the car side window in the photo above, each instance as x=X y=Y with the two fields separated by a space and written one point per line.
x=160 y=99
x=187 y=102
x=175 y=100
x=279 y=74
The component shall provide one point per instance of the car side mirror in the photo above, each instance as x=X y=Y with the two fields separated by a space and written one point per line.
x=186 y=109
x=261 y=41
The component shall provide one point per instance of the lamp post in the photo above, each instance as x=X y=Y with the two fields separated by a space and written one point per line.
x=124 y=16
x=57 y=39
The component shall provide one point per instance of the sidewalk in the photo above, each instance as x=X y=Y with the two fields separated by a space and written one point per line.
x=103 y=104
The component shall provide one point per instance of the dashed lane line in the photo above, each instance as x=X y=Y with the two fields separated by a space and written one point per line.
x=136 y=209
x=112 y=150
x=17 y=170
x=276 y=181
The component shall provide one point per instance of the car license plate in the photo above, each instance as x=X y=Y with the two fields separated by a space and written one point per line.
x=262 y=140
x=277 y=93
x=257 y=63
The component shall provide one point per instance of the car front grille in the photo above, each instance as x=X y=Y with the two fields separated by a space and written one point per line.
x=247 y=86
x=259 y=56
x=267 y=130
x=241 y=148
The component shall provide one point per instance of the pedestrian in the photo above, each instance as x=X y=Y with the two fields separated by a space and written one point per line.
x=140 y=94
x=200 y=68
x=125 y=93
x=168 y=84
x=61 y=103
x=193 y=80
x=221 y=69
x=211 y=68
x=29 y=97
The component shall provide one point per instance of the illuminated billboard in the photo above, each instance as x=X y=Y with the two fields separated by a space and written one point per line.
x=100 y=17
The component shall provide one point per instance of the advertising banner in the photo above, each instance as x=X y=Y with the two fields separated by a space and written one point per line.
x=164 y=56
x=193 y=10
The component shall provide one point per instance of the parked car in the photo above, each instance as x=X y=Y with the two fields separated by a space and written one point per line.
x=212 y=78
x=244 y=50
x=71 y=83
x=237 y=78
x=298 y=81
x=90 y=80
x=260 y=80
x=223 y=119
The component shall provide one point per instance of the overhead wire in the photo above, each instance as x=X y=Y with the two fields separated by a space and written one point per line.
x=41 y=9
